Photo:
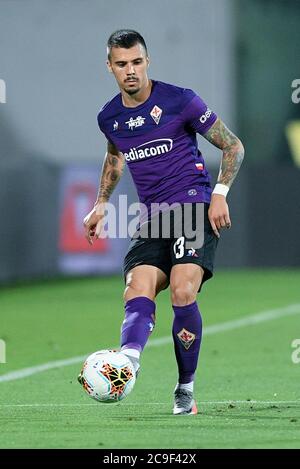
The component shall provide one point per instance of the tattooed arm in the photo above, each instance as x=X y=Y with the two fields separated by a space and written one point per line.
x=233 y=151
x=233 y=154
x=111 y=172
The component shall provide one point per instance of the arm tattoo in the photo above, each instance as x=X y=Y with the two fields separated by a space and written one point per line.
x=111 y=172
x=233 y=151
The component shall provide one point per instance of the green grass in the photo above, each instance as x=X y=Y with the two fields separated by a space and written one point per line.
x=60 y=319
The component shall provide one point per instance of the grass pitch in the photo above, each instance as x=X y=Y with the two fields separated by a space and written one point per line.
x=247 y=386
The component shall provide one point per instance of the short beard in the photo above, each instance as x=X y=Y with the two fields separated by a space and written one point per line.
x=132 y=92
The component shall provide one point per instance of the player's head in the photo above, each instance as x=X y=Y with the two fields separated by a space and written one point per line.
x=128 y=60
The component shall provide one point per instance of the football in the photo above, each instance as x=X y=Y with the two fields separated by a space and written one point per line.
x=107 y=376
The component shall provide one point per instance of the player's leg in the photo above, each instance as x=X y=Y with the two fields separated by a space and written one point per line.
x=143 y=283
x=185 y=281
x=192 y=266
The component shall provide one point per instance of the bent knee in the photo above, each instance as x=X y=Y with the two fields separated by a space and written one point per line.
x=135 y=287
x=182 y=295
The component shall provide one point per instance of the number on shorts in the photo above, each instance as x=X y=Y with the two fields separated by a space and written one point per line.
x=179 y=247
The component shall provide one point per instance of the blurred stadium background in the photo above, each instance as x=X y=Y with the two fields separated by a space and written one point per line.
x=240 y=56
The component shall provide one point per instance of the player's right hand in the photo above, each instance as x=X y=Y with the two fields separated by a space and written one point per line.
x=93 y=223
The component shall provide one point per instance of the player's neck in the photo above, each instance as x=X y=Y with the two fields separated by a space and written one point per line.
x=138 y=98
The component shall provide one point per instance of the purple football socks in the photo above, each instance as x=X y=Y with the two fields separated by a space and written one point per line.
x=138 y=323
x=187 y=334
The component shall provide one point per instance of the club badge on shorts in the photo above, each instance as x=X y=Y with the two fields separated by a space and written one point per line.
x=186 y=338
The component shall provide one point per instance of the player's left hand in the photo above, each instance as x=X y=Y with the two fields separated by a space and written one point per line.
x=218 y=213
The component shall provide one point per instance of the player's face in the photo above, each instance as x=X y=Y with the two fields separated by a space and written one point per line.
x=129 y=67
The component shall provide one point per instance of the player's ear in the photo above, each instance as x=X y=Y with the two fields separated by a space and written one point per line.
x=148 y=60
x=108 y=64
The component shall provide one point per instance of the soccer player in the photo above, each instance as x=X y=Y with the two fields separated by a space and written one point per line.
x=152 y=126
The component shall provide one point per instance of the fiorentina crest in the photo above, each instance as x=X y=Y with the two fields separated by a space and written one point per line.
x=186 y=338
x=156 y=114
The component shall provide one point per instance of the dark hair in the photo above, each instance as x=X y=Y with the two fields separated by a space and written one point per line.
x=125 y=38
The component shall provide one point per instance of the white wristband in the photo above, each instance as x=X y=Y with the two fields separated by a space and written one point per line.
x=221 y=189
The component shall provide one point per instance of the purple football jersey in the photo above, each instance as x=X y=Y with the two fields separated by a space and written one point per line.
x=158 y=141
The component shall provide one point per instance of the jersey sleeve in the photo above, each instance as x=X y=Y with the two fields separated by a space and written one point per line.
x=197 y=115
x=102 y=127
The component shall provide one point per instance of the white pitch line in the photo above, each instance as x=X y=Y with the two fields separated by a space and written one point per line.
x=250 y=320
x=203 y=403
x=23 y=373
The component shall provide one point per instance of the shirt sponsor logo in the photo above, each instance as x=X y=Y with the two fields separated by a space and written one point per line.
x=137 y=122
x=205 y=116
x=149 y=149
x=156 y=114
x=116 y=125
